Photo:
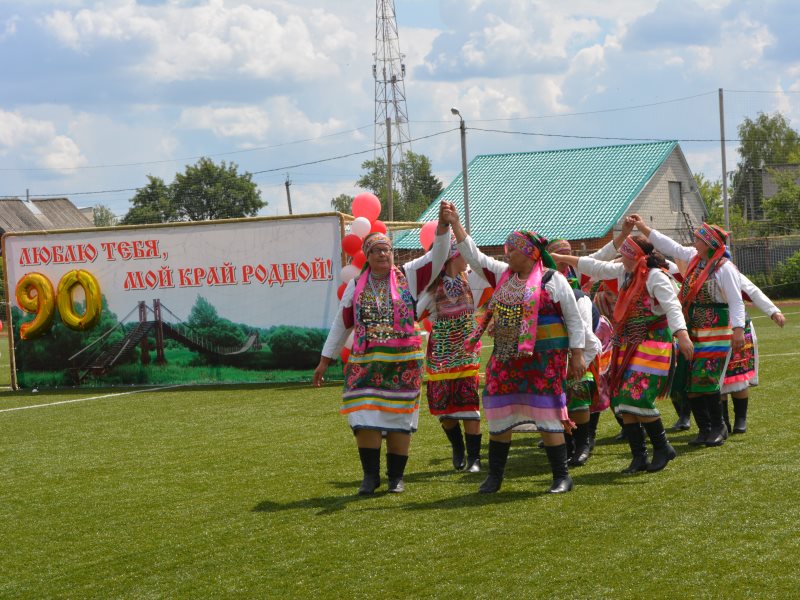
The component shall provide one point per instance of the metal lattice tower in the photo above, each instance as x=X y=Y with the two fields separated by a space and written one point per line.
x=390 y=89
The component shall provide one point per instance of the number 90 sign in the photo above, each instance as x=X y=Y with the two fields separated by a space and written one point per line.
x=35 y=295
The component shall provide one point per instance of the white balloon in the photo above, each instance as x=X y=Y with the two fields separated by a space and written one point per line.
x=348 y=273
x=349 y=343
x=360 y=227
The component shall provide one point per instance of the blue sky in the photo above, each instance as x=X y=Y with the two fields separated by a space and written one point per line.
x=95 y=96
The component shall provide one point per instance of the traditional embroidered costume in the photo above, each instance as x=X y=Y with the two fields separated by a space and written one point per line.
x=646 y=316
x=534 y=322
x=712 y=303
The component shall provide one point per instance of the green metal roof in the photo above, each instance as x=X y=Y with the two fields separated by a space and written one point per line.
x=574 y=194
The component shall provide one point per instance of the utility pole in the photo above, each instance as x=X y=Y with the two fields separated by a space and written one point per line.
x=287 y=183
x=724 y=166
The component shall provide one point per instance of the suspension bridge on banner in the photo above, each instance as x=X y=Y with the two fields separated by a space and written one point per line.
x=96 y=359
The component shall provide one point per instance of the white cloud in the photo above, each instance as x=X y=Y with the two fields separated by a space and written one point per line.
x=8 y=27
x=194 y=42
x=279 y=118
x=37 y=141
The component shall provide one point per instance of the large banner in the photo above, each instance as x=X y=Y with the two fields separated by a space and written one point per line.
x=226 y=301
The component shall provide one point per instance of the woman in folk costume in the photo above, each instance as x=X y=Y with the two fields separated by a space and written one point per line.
x=384 y=372
x=742 y=371
x=535 y=323
x=647 y=316
x=711 y=296
x=452 y=369
x=585 y=400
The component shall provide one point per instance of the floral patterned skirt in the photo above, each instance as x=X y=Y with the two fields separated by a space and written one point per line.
x=711 y=335
x=454 y=398
x=646 y=378
x=382 y=386
x=528 y=389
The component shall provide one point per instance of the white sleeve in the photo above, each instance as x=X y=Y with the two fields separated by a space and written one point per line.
x=759 y=298
x=337 y=336
x=729 y=280
x=410 y=269
x=477 y=285
x=478 y=260
x=426 y=302
x=561 y=292
x=592 y=344
x=659 y=286
x=439 y=252
x=600 y=269
x=606 y=253
x=670 y=247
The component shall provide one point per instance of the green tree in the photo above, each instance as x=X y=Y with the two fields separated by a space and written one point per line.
x=206 y=322
x=767 y=140
x=151 y=204
x=342 y=203
x=783 y=209
x=209 y=191
x=204 y=191
x=103 y=216
x=711 y=193
x=419 y=187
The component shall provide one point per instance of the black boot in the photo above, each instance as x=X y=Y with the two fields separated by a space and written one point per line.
x=684 y=421
x=739 y=415
x=371 y=464
x=395 y=466
x=498 y=455
x=718 y=431
x=621 y=436
x=702 y=418
x=663 y=452
x=473 y=452
x=457 y=442
x=594 y=419
x=569 y=443
x=582 y=451
x=635 y=435
x=726 y=418
x=562 y=482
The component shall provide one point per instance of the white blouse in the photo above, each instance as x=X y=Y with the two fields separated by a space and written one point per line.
x=727 y=278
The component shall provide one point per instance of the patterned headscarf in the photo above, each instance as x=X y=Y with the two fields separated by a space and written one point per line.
x=453 y=251
x=373 y=240
x=559 y=247
x=630 y=294
x=532 y=245
x=715 y=237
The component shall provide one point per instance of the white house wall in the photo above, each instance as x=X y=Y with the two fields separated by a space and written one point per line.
x=653 y=203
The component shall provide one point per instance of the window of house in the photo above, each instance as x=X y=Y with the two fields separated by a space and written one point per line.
x=675 y=196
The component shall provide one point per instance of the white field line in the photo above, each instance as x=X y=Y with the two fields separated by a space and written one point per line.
x=166 y=387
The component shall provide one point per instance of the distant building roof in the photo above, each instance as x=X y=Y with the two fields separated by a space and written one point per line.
x=573 y=194
x=45 y=214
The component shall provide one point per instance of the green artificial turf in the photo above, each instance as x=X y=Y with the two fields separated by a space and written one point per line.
x=249 y=491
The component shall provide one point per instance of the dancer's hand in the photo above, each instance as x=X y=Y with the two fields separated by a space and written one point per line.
x=577 y=365
x=779 y=319
x=685 y=345
x=738 y=339
x=319 y=372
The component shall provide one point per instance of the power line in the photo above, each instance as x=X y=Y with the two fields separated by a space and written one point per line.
x=171 y=160
x=609 y=138
x=281 y=168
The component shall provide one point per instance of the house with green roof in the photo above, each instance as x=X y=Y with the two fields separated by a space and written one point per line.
x=579 y=194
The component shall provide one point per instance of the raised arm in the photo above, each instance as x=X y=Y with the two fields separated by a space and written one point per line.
x=762 y=301
x=480 y=262
x=661 y=242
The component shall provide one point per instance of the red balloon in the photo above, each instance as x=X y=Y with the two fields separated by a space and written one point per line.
x=427 y=233
x=351 y=244
x=366 y=205
x=345 y=355
x=427 y=325
x=359 y=259
x=378 y=226
x=340 y=291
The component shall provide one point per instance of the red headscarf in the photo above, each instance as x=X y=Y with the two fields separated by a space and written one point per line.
x=630 y=294
x=715 y=238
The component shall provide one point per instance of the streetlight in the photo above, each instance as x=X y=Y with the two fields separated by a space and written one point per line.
x=463 y=128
